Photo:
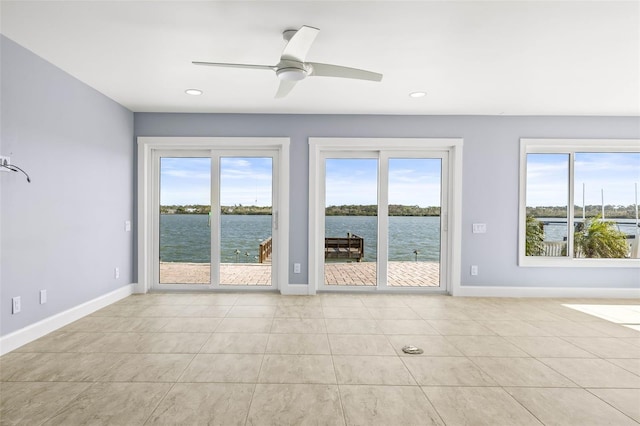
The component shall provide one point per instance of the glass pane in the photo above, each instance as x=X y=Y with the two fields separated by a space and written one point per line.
x=606 y=183
x=547 y=201
x=185 y=236
x=245 y=220
x=351 y=221
x=414 y=222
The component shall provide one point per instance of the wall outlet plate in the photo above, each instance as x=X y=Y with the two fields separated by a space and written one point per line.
x=16 y=305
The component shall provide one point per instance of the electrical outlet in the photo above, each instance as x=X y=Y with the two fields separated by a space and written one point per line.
x=127 y=226
x=116 y=273
x=474 y=269
x=16 y=305
x=43 y=297
x=296 y=268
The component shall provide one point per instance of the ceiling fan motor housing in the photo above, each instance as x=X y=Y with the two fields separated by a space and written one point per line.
x=291 y=71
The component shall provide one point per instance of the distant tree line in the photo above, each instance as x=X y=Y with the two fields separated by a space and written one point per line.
x=610 y=211
x=202 y=209
x=346 y=210
x=372 y=210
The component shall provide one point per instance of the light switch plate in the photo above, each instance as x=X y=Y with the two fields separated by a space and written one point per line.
x=479 y=228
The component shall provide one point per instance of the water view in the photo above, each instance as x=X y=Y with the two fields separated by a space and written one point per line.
x=187 y=238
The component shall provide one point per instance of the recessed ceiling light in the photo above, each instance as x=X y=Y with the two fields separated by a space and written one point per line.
x=418 y=94
x=194 y=92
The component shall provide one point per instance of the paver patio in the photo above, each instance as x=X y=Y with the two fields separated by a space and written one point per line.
x=400 y=274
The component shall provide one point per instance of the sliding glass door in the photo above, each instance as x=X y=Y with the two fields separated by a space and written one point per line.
x=215 y=219
x=384 y=216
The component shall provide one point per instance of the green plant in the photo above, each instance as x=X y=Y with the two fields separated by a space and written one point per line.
x=600 y=239
x=534 y=245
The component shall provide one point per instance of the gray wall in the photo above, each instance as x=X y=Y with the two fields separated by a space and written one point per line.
x=64 y=232
x=490 y=178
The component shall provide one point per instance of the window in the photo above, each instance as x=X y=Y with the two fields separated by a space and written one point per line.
x=579 y=202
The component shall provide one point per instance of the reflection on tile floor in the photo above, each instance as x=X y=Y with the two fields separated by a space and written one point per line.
x=266 y=359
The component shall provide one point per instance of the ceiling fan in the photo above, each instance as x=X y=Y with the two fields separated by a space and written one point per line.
x=292 y=66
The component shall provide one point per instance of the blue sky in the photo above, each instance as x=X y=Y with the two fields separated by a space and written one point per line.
x=616 y=173
x=411 y=182
x=243 y=180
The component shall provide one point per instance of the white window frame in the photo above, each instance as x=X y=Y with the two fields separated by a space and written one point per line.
x=569 y=147
x=383 y=147
x=148 y=187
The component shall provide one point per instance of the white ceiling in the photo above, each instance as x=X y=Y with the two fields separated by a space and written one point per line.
x=475 y=57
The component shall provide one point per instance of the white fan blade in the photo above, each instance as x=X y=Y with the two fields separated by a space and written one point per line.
x=285 y=87
x=299 y=45
x=328 y=70
x=219 y=64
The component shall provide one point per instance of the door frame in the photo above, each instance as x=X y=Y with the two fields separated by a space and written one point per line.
x=319 y=147
x=148 y=178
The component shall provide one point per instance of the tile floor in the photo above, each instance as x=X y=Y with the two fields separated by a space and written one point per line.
x=334 y=359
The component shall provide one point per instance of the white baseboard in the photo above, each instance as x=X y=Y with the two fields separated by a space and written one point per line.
x=295 y=290
x=495 y=291
x=35 y=331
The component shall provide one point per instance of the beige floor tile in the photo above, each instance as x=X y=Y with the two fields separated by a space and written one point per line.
x=444 y=313
x=431 y=345
x=360 y=344
x=606 y=347
x=227 y=368
x=486 y=346
x=94 y=324
x=352 y=326
x=34 y=402
x=297 y=369
x=204 y=404
x=204 y=311
x=148 y=368
x=564 y=407
x=112 y=403
x=291 y=300
x=513 y=328
x=596 y=373
x=566 y=329
x=261 y=299
x=299 y=311
x=460 y=328
x=614 y=330
x=343 y=300
x=123 y=310
x=549 y=347
x=59 y=367
x=162 y=311
x=298 y=325
x=632 y=365
x=393 y=313
x=625 y=400
x=61 y=342
x=236 y=343
x=387 y=405
x=149 y=343
x=139 y=325
x=252 y=312
x=383 y=301
x=276 y=405
x=389 y=326
x=478 y=406
x=191 y=325
x=316 y=344
x=371 y=370
x=521 y=372
x=447 y=371
x=346 y=312
x=244 y=325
